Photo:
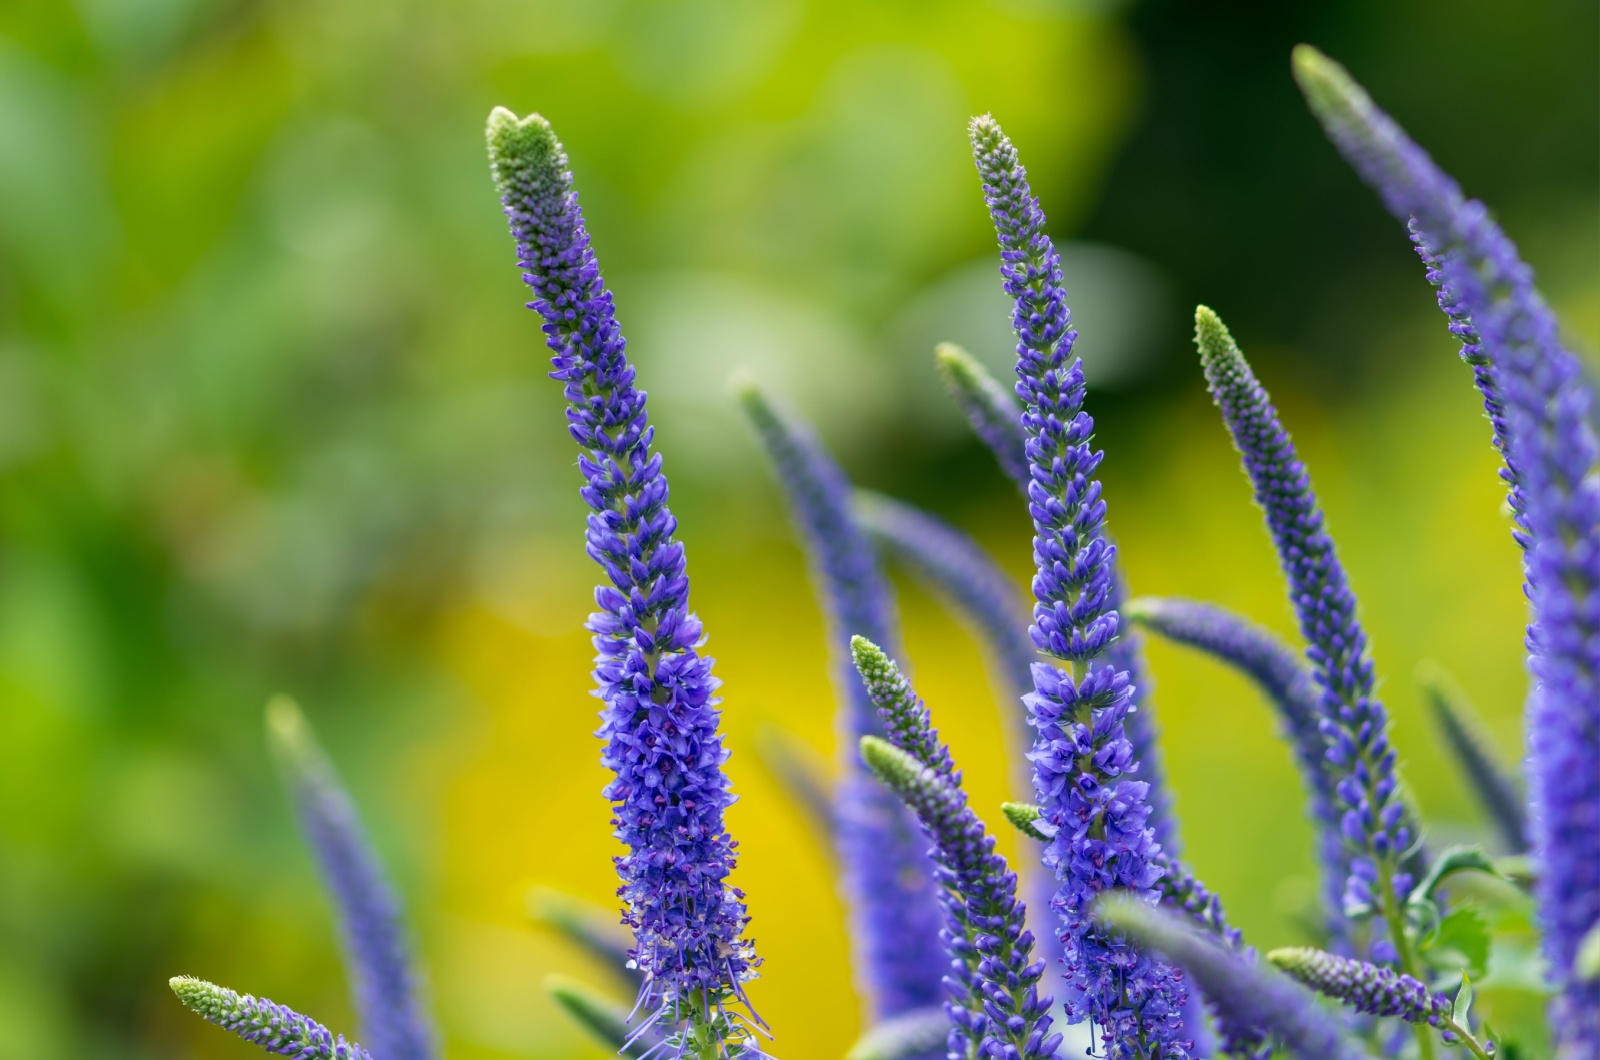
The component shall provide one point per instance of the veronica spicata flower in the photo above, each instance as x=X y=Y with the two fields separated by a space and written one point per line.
x=1374 y=821
x=276 y=1028
x=1539 y=406
x=1251 y=995
x=1292 y=691
x=1496 y=788
x=384 y=982
x=995 y=1007
x=1081 y=757
x=887 y=877
x=660 y=715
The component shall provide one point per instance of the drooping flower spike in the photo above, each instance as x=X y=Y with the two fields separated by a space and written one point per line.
x=276 y=1028
x=1539 y=404
x=1290 y=688
x=383 y=976
x=1252 y=994
x=886 y=876
x=1492 y=784
x=660 y=717
x=995 y=1007
x=1082 y=758
x=1375 y=991
x=993 y=412
x=957 y=568
x=1374 y=820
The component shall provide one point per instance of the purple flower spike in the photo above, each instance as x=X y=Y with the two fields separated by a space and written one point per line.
x=1081 y=754
x=1539 y=405
x=660 y=718
x=1374 y=822
x=377 y=953
x=276 y=1028
x=887 y=877
x=1365 y=987
x=1292 y=691
x=956 y=567
x=1252 y=995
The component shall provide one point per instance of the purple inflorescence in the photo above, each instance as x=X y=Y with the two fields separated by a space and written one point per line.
x=989 y=407
x=660 y=718
x=1250 y=993
x=1081 y=756
x=1367 y=988
x=377 y=951
x=1356 y=726
x=276 y=1028
x=887 y=878
x=994 y=1004
x=1540 y=412
x=1290 y=688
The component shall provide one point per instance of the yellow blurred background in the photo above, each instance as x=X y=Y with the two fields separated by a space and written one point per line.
x=272 y=419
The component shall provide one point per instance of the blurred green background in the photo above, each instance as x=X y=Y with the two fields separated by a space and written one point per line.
x=272 y=419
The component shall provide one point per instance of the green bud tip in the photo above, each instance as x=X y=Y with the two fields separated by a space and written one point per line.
x=1290 y=958
x=198 y=995
x=524 y=151
x=1138 y=610
x=1023 y=817
x=1334 y=96
x=892 y=765
x=953 y=360
x=869 y=658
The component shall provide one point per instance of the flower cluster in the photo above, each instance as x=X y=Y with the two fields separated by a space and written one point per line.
x=1539 y=407
x=1081 y=755
x=1374 y=821
x=276 y=1028
x=378 y=953
x=660 y=717
x=1141 y=940
x=995 y=1007
x=1289 y=687
x=887 y=879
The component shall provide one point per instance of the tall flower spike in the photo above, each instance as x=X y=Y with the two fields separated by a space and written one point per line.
x=1539 y=404
x=383 y=979
x=1290 y=688
x=1374 y=821
x=1251 y=994
x=1082 y=758
x=993 y=413
x=276 y=1028
x=887 y=877
x=994 y=1007
x=660 y=717
x=1492 y=784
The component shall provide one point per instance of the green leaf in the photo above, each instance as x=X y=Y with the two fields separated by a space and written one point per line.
x=1459 y=1012
x=1452 y=860
x=1460 y=944
x=1026 y=818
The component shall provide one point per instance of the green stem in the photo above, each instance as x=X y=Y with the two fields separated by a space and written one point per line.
x=1466 y=1038
x=1394 y=916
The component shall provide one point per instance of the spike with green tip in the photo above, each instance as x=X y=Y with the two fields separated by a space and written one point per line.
x=385 y=982
x=994 y=413
x=276 y=1028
